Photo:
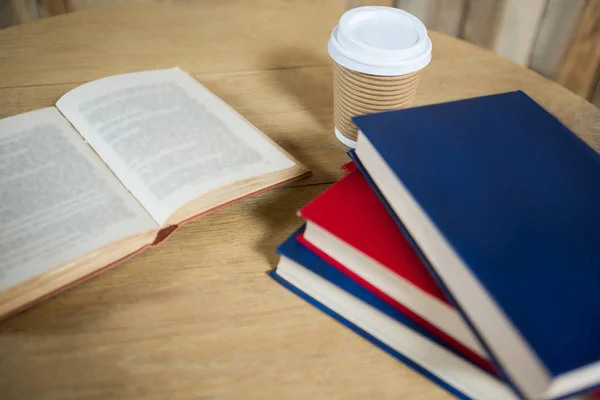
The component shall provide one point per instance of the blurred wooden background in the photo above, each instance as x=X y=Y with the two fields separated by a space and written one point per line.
x=560 y=39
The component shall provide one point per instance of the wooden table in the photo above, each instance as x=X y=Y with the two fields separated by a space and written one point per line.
x=198 y=317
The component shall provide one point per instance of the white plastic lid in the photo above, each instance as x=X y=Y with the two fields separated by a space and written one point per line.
x=380 y=41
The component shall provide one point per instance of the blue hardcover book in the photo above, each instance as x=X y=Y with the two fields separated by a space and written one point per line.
x=324 y=286
x=502 y=201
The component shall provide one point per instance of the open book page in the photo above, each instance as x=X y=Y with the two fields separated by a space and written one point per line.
x=58 y=201
x=168 y=138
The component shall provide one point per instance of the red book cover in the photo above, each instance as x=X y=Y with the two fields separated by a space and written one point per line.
x=352 y=212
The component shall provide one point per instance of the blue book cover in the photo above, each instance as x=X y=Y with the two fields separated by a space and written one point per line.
x=447 y=293
x=295 y=251
x=514 y=196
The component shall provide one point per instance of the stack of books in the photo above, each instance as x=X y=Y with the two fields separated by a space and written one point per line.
x=463 y=240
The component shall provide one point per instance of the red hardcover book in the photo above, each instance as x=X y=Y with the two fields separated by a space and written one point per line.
x=349 y=228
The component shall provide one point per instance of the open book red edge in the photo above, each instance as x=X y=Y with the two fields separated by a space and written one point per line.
x=161 y=237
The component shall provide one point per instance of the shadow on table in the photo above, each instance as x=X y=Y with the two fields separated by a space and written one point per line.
x=311 y=84
x=278 y=213
x=312 y=87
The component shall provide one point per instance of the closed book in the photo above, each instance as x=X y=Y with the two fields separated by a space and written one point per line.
x=333 y=292
x=349 y=227
x=502 y=201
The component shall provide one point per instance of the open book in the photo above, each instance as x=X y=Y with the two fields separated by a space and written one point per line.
x=150 y=151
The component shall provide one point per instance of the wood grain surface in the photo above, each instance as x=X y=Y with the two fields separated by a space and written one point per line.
x=198 y=317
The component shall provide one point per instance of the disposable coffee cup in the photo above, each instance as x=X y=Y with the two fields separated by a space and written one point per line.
x=379 y=53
